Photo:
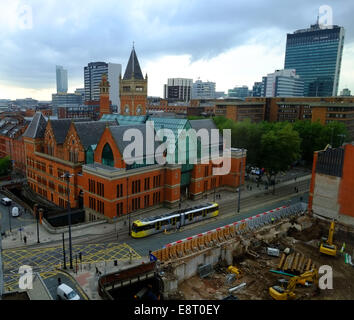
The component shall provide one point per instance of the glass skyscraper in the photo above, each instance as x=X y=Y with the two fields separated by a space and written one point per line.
x=93 y=76
x=62 y=79
x=316 y=55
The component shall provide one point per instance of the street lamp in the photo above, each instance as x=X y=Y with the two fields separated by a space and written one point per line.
x=64 y=253
x=10 y=218
x=67 y=176
x=239 y=187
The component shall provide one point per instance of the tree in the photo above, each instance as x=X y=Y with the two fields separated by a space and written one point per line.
x=280 y=147
x=5 y=166
x=316 y=136
x=335 y=133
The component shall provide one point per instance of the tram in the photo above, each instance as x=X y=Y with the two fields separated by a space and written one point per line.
x=151 y=225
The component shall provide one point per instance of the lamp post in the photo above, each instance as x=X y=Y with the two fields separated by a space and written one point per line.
x=10 y=218
x=67 y=176
x=64 y=253
x=239 y=187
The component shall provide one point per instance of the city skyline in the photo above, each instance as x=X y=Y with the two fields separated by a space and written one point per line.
x=210 y=49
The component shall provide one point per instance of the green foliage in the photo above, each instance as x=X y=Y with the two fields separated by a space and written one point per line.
x=313 y=136
x=5 y=166
x=196 y=117
x=316 y=136
x=280 y=147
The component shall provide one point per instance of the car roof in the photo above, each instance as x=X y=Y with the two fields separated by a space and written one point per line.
x=65 y=288
x=6 y=199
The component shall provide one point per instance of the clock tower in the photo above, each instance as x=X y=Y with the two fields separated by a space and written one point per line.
x=133 y=89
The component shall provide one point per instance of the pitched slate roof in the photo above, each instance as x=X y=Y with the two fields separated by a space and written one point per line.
x=90 y=132
x=133 y=68
x=37 y=127
x=118 y=132
x=60 y=129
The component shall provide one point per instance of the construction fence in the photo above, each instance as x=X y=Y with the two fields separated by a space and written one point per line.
x=210 y=238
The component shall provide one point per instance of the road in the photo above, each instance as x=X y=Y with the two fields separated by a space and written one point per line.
x=16 y=222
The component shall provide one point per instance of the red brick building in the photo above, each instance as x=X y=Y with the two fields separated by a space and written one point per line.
x=12 y=126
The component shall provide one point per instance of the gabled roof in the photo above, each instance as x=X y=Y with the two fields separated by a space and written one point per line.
x=60 y=129
x=118 y=133
x=37 y=127
x=90 y=132
x=133 y=68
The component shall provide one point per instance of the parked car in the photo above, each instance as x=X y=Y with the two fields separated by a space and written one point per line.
x=64 y=292
x=15 y=212
x=6 y=201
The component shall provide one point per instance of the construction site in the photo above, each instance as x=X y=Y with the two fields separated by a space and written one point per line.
x=245 y=260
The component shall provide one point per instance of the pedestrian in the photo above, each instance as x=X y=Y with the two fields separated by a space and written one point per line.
x=251 y=188
x=272 y=220
x=301 y=198
x=97 y=271
x=59 y=281
x=25 y=239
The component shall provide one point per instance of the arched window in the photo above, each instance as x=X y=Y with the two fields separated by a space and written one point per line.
x=107 y=156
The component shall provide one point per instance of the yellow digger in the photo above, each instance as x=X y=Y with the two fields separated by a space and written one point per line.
x=281 y=293
x=327 y=245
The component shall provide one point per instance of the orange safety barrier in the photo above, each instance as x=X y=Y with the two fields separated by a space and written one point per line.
x=214 y=236
x=201 y=242
x=194 y=243
x=172 y=252
x=179 y=249
x=227 y=233
x=187 y=247
x=220 y=234
x=232 y=231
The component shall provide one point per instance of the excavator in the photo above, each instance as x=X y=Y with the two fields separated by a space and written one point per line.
x=281 y=293
x=327 y=245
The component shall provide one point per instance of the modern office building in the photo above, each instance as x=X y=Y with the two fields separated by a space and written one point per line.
x=203 y=90
x=257 y=89
x=316 y=55
x=66 y=98
x=82 y=92
x=92 y=78
x=283 y=83
x=62 y=79
x=345 y=93
x=239 y=92
x=178 y=89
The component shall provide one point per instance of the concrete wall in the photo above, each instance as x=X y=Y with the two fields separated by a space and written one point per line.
x=325 y=200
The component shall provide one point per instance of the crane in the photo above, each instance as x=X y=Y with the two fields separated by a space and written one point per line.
x=281 y=293
x=327 y=245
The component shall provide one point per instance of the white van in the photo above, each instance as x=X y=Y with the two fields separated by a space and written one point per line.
x=64 y=292
x=6 y=201
x=15 y=212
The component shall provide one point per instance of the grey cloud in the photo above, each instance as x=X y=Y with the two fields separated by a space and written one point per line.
x=74 y=34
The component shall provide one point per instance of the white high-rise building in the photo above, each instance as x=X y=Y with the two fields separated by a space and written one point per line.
x=92 y=77
x=62 y=79
x=203 y=90
x=178 y=89
x=283 y=83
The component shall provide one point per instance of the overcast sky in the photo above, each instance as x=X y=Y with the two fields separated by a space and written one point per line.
x=230 y=42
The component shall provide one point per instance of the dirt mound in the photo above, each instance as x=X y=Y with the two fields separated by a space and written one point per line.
x=313 y=233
